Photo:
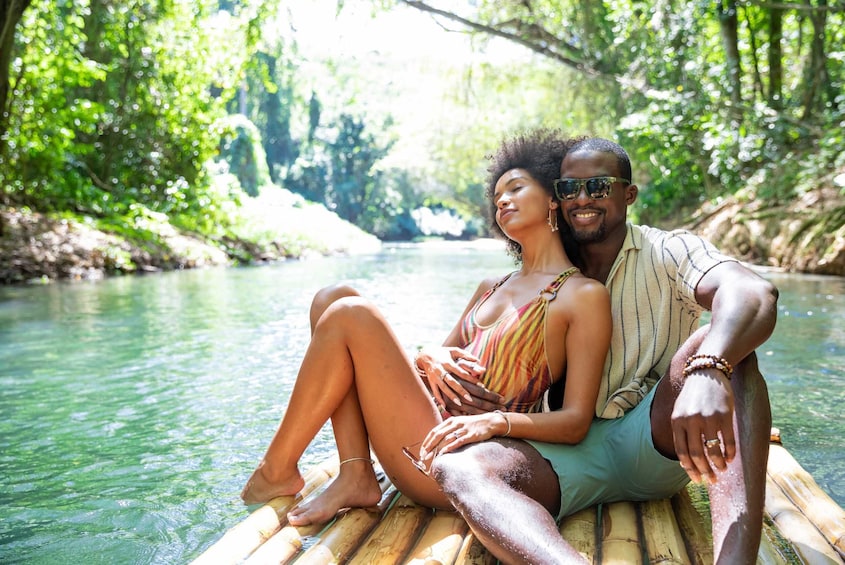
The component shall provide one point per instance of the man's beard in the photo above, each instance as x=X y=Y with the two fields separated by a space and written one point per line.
x=596 y=235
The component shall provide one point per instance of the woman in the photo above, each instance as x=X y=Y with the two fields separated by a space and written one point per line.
x=530 y=328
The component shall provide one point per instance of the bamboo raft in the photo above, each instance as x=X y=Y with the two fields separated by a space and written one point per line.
x=802 y=525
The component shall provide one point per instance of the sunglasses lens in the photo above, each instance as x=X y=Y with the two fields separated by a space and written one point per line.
x=567 y=189
x=599 y=187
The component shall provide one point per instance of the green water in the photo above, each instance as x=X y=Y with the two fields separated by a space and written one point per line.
x=134 y=409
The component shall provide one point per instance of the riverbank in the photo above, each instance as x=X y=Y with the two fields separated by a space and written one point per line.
x=803 y=236
x=41 y=248
x=806 y=235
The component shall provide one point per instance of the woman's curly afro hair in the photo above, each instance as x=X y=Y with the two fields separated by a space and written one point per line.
x=539 y=152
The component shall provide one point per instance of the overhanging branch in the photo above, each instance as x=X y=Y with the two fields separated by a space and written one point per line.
x=791 y=6
x=543 y=49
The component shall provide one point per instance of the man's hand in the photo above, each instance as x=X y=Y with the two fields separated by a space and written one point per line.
x=702 y=425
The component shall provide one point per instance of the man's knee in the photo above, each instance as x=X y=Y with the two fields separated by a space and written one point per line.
x=459 y=471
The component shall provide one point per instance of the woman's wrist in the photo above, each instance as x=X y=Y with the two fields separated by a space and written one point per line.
x=507 y=422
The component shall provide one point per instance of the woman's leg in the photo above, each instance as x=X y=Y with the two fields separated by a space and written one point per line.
x=261 y=486
x=325 y=297
x=354 y=371
x=350 y=437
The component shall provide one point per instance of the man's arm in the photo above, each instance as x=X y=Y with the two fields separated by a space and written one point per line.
x=743 y=306
x=744 y=312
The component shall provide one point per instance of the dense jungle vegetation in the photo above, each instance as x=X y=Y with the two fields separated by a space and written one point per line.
x=140 y=119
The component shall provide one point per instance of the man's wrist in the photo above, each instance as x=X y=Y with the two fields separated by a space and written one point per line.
x=703 y=361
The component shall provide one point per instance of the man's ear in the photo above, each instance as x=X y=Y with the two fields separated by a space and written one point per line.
x=631 y=192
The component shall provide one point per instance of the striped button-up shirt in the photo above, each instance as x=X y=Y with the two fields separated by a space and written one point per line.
x=652 y=291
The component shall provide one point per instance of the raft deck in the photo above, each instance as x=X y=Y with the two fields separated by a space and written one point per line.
x=802 y=525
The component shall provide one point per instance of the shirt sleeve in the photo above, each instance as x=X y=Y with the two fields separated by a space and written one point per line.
x=688 y=258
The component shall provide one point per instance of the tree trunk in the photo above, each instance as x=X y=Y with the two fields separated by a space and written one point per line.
x=816 y=77
x=729 y=27
x=11 y=12
x=776 y=58
x=755 y=62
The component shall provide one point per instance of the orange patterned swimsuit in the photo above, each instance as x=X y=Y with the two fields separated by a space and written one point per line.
x=513 y=348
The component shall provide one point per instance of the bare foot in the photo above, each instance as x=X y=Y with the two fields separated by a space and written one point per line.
x=262 y=486
x=353 y=488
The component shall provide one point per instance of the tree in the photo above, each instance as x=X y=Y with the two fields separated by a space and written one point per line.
x=354 y=180
x=11 y=12
x=691 y=102
x=117 y=103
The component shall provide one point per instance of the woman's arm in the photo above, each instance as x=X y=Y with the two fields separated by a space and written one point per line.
x=451 y=374
x=577 y=340
x=578 y=333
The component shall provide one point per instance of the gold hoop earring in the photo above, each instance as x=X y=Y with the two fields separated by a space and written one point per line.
x=552 y=220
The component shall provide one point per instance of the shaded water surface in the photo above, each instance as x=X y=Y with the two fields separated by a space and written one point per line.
x=133 y=409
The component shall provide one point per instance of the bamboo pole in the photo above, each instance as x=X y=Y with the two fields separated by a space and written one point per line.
x=620 y=541
x=771 y=551
x=472 y=552
x=245 y=537
x=395 y=534
x=798 y=485
x=341 y=538
x=579 y=530
x=285 y=545
x=805 y=538
x=662 y=537
x=695 y=527
x=440 y=541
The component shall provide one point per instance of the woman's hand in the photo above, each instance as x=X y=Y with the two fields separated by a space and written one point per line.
x=445 y=370
x=483 y=400
x=456 y=432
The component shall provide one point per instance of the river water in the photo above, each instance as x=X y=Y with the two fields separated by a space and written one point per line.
x=133 y=409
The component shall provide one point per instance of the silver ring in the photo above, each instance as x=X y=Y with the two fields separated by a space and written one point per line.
x=711 y=442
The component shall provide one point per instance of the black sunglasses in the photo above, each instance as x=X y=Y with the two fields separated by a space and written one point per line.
x=597 y=187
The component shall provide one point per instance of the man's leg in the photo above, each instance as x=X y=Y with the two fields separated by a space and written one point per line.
x=738 y=495
x=508 y=494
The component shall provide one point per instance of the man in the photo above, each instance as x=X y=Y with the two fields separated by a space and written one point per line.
x=707 y=419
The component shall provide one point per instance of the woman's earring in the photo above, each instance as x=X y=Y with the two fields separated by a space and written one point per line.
x=552 y=220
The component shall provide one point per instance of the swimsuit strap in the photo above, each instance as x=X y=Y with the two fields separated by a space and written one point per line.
x=550 y=292
x=501 y=282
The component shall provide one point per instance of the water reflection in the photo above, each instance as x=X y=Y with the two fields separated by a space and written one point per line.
x=133 y=409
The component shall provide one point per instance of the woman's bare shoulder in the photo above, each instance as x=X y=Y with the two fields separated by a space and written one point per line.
x=582 y=293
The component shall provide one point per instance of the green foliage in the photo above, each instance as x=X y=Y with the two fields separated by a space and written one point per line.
x=701 y=105
x=113 y=106
x=339 y=169
x=241 y=149
x=118 y=110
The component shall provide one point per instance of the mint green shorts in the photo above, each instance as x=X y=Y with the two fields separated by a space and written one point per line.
x=616 y=461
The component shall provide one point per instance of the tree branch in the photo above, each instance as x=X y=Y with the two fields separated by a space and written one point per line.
x=543 y=48
x=791 y=6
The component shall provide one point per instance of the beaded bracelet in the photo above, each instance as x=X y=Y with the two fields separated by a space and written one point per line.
x=704 y=361
x=507 y=420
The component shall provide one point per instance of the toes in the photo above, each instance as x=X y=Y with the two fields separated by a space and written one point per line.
x=303 y=517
